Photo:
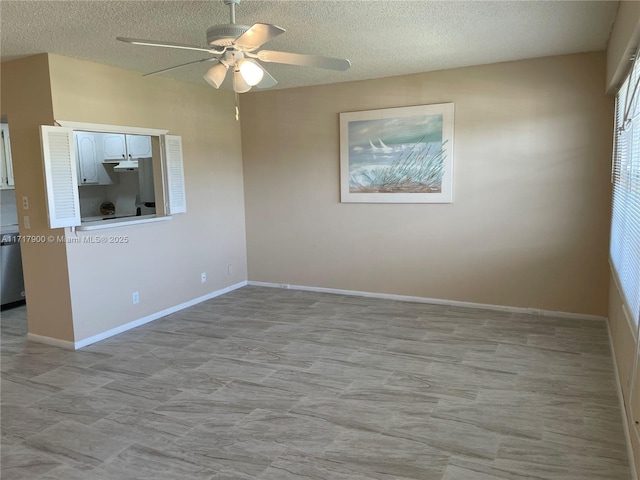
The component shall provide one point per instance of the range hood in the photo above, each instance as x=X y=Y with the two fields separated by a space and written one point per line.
x=126 y=166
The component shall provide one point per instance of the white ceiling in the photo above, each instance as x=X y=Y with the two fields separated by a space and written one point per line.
x=381 y=38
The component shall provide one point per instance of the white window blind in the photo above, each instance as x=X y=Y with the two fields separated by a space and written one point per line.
x=625 y=218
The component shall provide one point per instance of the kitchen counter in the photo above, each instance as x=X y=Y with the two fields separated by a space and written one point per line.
x=97 y=223
x=100 y=218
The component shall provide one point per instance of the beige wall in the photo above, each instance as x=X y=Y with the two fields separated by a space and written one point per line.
x=26 y=100
x=162 y=261
x=623 y=336
x=623 y=43
x=529 y=224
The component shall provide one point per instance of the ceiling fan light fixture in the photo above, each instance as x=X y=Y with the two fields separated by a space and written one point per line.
x=250 y=71
x=215 y=75
x=240 y=85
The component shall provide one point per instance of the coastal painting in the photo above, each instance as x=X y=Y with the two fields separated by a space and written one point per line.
x=397 y=155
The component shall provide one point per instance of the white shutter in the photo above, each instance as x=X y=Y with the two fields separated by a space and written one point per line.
x=3 y=162
x=174 y=174
x=7 y=154
x=60 y=178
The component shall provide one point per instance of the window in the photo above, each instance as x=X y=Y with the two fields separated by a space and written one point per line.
x=625 y=218
x=117 y=169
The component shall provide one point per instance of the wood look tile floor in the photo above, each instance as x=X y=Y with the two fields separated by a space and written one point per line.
x=279 y=384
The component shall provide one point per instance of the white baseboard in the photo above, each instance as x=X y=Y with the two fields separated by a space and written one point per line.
x=403 y=298
x=56 y=342
x=135 y=323
x=433 y=301
x=623 y=410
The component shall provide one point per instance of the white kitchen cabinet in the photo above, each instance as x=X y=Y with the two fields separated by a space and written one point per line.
x=91 y=170
x=6 y=162
x=114 y=146
x=87 y=155
x=138 y=146
x=117 y=146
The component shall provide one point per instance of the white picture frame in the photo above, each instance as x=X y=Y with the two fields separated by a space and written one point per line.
x=397 y=155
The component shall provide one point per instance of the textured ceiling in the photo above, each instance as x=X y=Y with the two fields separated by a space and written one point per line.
x=381 y=38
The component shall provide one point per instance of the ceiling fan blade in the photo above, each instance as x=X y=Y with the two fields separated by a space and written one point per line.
x=304 y=60
x=179 y=66
x=157 y=43
x=267 y=80
x=257 y=35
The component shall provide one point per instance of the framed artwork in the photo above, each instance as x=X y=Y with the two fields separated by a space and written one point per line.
x=397 y=155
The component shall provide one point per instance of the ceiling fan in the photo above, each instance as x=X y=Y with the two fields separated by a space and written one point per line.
x=234 y=47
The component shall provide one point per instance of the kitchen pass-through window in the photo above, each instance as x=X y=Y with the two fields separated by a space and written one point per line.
x=107 y=175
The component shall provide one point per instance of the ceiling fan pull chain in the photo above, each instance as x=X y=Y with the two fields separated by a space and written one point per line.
x=237 y=107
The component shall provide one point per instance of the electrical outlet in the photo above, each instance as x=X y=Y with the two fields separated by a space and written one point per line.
x=25 y=203
x=203 y=277
x=136 y=298
x=229 y=270
x=27 y=223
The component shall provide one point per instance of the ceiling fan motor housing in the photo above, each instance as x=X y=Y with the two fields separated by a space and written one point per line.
x=224 y=35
